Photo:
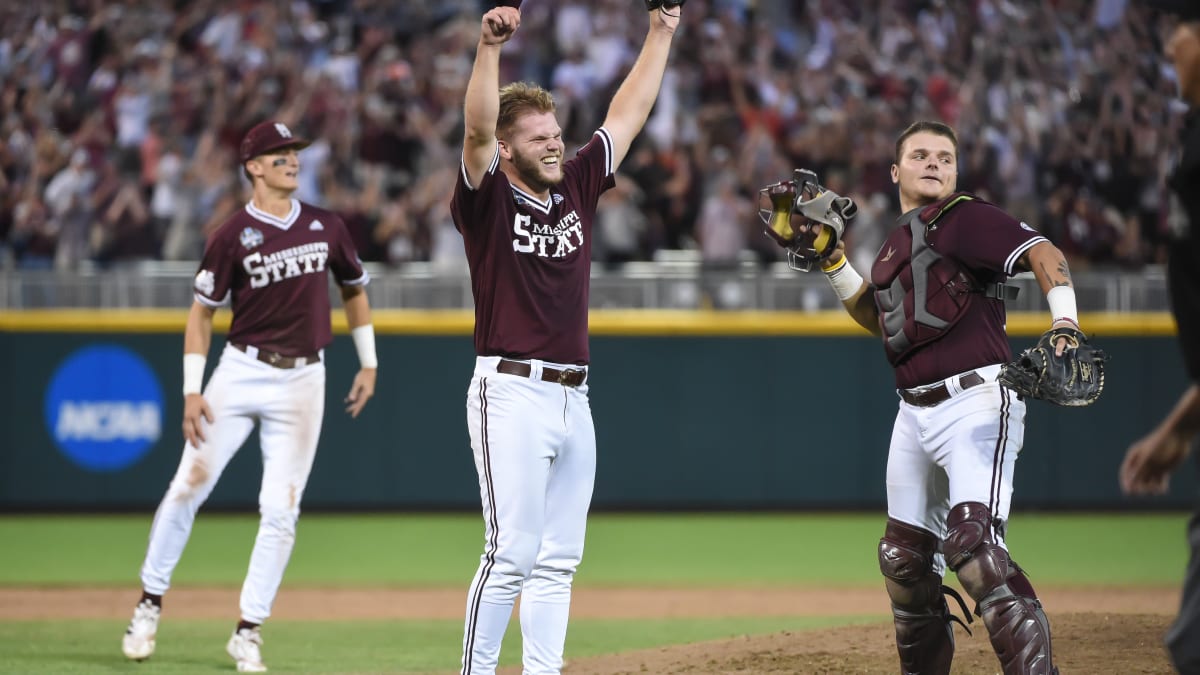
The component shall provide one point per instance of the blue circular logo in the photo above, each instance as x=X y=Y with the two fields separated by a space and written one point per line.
x=104 y=407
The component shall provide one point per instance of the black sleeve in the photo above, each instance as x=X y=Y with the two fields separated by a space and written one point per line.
x=1183 y=281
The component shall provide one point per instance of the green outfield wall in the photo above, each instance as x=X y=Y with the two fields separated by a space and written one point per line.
x=692 y=410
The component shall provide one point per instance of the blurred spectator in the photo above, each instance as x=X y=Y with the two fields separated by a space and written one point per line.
x=68 y=198
x=1067 y=107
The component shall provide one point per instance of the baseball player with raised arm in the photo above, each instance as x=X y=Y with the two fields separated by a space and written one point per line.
x=526 y=218
x=935 y=295
x=271 y=261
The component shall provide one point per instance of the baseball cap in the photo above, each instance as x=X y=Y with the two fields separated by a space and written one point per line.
x=268 y=136
x=1186 y=10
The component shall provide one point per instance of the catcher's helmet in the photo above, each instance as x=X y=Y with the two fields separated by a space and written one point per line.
x=805 y=218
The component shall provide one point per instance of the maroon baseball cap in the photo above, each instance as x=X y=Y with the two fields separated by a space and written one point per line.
x=268 y=136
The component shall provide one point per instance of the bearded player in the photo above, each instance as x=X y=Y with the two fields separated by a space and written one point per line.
x=526 y=219
x=271 y=261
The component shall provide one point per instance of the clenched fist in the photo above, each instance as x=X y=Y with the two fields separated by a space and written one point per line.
x=499 y=24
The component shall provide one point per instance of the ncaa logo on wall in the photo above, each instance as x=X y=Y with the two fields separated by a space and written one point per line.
x=104 y=408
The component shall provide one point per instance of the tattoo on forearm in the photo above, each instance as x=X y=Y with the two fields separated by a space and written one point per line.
x=1063 y=278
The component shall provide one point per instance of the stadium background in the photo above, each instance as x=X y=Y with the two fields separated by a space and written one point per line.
x=118 y=123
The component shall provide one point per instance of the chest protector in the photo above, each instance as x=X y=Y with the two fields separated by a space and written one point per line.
x=920 y=293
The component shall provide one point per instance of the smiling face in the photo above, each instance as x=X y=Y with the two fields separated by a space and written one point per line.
x=926 y=169
x=534 y=147
x=278 y=169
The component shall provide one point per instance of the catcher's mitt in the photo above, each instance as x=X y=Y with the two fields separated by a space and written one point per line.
x=652 y=5
x=1075 y=378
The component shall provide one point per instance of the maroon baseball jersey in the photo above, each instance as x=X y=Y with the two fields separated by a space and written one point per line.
x=273 y=271
x=987 y=243
x=531 y=260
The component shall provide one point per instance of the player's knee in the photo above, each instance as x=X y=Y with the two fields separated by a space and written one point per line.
x=972 y=552
x=280 y=523
x=192 y=482
x=516 y=555
x=906 y=555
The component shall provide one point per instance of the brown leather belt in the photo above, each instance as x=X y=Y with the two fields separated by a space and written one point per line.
x=569 y=377
x=279 y=360
x=935 y=395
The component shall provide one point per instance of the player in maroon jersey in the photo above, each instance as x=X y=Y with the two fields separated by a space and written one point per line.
x=526 y=219
x=270 y=261
x=936 y=295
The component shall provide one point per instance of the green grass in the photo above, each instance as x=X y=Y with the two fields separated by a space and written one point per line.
x=327 y=647
x=693 y=550
x=622 y=550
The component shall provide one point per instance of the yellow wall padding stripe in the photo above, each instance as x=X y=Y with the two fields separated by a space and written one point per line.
x=630 y=322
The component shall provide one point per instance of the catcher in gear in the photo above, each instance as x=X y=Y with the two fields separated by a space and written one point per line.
x=935 y=296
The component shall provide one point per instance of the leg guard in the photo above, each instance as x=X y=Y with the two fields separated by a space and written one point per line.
x=924 y=636
x=1016 y=624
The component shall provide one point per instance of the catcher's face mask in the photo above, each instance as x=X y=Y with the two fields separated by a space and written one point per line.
x=805 y=218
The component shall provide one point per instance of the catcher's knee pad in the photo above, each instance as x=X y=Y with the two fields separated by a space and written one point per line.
x=924 y=636
x=906 y=561
x=1005 y=600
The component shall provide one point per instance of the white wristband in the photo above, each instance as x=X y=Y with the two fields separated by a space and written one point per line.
x=1062 y=304
x=845 y=280
x=193 y=373
x=364 y=344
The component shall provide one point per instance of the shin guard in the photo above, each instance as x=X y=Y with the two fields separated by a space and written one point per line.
x=924 y=636
x=1015 y=621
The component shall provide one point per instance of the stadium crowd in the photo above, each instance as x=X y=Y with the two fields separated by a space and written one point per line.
x=119 y=119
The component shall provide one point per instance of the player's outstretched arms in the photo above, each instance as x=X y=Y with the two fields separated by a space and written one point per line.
x=635 y=97
x=482 y=104
x=854 y=291
x=1150 y=460
x=358 y=317
x=197 y=338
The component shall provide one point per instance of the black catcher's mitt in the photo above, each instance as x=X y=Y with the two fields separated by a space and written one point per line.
x=1074 y=379
x=652 y=5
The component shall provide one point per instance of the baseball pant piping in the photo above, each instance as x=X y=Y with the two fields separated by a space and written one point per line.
x=485 y=569
x=536 y=474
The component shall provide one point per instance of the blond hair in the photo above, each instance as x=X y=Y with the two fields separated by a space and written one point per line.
x=521 y=98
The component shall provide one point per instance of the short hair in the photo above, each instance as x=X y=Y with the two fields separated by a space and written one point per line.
x=936 y=128
x=521 y=98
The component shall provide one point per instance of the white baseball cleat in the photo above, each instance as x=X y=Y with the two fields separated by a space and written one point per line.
x=245 y=648
x=138 y=643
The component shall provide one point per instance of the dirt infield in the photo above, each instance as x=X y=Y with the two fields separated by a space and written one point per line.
x=1109 y=630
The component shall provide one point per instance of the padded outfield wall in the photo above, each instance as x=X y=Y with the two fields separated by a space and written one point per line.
x=692 y=410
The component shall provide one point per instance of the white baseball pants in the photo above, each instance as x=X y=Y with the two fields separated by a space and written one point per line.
x=535 y=453
x=289 y=405
x=961 y=450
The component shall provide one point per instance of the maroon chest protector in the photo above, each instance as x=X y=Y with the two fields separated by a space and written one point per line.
x=919 y=292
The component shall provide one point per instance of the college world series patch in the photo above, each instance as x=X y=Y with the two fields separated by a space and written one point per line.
x=251 y=238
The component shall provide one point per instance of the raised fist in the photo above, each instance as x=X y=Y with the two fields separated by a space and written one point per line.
x=499 y=24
